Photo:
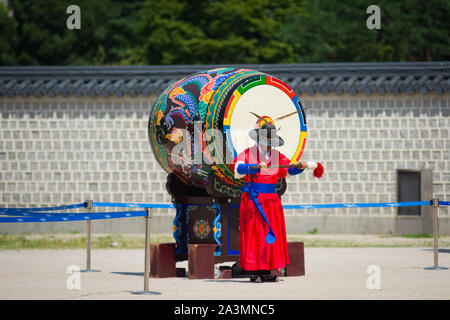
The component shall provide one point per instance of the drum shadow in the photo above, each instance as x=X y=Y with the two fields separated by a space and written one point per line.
x=439 y=250
x=238 y=280
x=140 y=274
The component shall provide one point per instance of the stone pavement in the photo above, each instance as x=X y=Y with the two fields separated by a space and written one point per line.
x=331 y=273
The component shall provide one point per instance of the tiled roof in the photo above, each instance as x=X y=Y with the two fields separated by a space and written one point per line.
x=321 y=78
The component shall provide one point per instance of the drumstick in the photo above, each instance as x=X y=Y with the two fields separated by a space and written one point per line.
x=290 y=114
x=317 y=173
x=276 y=167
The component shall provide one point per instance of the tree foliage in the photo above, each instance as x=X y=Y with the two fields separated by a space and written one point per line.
x=107 y=31
x=328 y=30
x=222 y=31
x=231 y=31
x=8 y=38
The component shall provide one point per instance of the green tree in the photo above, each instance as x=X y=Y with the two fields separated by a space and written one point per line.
x=107 y=34
x=222 y=32
x=213 y=32
x=44 y=38
x=123 y=27
x=335 y=31
x=8 y=38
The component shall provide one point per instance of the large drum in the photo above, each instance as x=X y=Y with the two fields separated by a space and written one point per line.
x=200 y=123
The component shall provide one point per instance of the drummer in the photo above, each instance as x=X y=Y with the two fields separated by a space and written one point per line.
x=263 y=243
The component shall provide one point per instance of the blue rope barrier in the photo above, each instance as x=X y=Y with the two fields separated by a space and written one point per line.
x=359 y=205
x=66 y=207
x=40 y=215
x=78 y=217
x=307 y=206
x=133 y=205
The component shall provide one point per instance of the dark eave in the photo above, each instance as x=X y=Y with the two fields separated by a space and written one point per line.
x=321 y=78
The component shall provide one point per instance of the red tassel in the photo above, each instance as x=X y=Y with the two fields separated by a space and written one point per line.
x=318 y=172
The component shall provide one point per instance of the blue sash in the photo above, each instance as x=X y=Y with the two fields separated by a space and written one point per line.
x=254 y=189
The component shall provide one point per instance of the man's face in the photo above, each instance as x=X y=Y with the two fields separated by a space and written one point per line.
x=264 y=148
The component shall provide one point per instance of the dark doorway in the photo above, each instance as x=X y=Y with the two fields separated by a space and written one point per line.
x=408 y=190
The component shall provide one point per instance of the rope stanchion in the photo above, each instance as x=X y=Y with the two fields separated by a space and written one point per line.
x=435 y=204
x=89 y=208
x=147 y=257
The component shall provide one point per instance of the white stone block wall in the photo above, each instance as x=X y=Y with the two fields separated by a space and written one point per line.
x=67 y=150
x=56 y=151
x=362 y=141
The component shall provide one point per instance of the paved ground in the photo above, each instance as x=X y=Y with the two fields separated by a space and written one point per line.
x=331 y=273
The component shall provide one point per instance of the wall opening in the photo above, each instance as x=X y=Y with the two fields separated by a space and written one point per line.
x=409 y=189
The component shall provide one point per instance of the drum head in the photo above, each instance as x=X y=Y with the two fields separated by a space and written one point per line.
x=265 y=96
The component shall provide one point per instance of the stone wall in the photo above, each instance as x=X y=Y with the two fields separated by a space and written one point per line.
x=67 y=150
x=363 y=140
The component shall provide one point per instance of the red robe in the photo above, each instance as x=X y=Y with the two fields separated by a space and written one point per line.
x=254 y=252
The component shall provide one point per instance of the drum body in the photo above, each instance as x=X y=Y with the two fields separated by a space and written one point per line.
x=200 y=123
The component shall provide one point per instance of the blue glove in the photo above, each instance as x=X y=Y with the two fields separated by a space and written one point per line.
x=244 y=168
x=294 y=170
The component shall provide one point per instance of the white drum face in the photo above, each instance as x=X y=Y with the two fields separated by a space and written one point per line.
x=265 y=100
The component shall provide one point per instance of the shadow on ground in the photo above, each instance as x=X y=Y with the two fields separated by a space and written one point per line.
x=439 y=250
x=140 y=274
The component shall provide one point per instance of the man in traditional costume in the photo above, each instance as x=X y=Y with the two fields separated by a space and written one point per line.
x=263 y=243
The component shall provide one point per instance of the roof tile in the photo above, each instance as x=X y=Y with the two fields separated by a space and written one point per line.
x=323 y=78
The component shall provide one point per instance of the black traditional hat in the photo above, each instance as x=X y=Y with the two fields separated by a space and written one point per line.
x=265 y=133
